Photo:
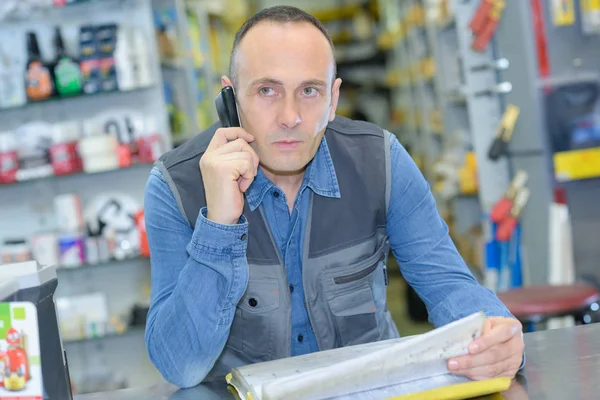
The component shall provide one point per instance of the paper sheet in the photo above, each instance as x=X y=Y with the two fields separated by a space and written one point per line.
x=410 y=360
x=256 y=375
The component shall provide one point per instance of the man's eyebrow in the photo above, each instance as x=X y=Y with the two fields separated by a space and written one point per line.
x=313 y=82
x=265 y=81
x=273 y=81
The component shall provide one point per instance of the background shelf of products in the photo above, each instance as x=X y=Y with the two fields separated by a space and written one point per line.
x=84 y=117
x=83 y=121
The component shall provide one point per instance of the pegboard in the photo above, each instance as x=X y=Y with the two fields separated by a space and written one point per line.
x=484 y=110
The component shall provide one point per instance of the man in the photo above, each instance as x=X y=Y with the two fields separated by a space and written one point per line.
x=270 y=240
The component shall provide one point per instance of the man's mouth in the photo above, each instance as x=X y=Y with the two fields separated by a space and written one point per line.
x=287 y=144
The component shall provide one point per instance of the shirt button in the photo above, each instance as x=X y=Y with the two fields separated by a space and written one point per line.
x=291 y=288
x=253 y=302
x=276 y=194
x=300 y=338
x=244 y=237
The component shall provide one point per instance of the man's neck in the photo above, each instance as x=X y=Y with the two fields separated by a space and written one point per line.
x=289 y=183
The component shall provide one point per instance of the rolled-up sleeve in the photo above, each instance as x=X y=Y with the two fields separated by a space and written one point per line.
x=198 y=277
x=428 y=259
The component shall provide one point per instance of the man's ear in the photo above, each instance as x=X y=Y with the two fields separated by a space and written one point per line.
x=335 y=96
x=225 y=81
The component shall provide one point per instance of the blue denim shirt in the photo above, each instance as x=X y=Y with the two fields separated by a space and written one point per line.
x=199 y=275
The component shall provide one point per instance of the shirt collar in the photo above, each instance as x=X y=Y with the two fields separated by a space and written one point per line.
x=319 y=176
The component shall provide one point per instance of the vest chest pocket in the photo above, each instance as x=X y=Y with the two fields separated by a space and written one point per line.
x=350 y=296
x=253 y=328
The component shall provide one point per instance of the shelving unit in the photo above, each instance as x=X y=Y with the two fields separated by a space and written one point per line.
x=27 y=205
x=545 y=53
x=445 y=122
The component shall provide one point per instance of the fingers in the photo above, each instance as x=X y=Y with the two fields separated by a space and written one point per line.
x=242 y=155
x=224 y=135
x=502 y=359
x=240 y=169
x=512 y=348
x=508 y=367
x=497 y=333
x=491 y=356
x=238 y=145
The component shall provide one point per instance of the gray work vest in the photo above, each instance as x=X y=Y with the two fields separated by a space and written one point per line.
x=345 y=251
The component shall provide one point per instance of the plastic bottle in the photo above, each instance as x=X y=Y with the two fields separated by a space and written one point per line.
x=67 y=75
x=124 y=62
x=37 y=76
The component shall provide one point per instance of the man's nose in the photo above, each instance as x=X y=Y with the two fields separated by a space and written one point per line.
x=289 y=117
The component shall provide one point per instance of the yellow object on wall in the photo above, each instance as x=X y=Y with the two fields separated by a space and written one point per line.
x=467 y=175
x=577 y=164
x=563 y=12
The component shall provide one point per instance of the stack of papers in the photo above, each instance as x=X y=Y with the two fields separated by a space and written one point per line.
x=372 y=371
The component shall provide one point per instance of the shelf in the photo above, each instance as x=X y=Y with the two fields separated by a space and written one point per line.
x=79 y=2
x=101 y=264
x=74 y=97
x=50 y=11
x=55 y=177
x=129 y=331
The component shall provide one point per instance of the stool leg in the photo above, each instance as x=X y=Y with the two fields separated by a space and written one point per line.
x=528 y=326
x=531 y=326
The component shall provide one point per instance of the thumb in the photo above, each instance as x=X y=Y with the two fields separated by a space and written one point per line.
x=244 y=184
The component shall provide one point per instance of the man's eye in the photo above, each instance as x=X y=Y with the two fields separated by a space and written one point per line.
x=309 y=91
x=267 y=91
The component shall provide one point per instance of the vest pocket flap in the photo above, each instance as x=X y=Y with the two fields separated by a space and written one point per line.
x=355 y=276
x=261 y=296
x=354 y=314
x=357 y=302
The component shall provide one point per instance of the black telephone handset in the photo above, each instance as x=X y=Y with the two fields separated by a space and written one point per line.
x=227 y=108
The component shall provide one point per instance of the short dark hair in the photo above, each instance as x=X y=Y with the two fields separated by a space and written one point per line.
x=281 y=14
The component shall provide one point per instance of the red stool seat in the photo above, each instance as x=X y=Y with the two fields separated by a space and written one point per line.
x=548 y=300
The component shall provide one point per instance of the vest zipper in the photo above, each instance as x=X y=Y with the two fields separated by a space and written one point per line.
x=338 y=280
x=385 y=274
x=284 y=273
x=307 y=229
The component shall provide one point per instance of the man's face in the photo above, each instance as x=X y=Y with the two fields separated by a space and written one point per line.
x=285 y=92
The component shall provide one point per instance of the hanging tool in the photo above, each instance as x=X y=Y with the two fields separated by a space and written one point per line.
x=483 y=37
x=504 y=132
x=507 y=227
x=500 y=64
x=481 y=14
x=500 y=88
x=501 y=209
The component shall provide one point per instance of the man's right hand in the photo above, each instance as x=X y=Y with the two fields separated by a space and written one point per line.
x=228 y=167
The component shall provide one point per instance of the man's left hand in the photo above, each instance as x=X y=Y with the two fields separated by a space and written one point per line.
x=497 y=352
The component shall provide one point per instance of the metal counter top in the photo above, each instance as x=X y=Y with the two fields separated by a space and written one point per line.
x=561 y=364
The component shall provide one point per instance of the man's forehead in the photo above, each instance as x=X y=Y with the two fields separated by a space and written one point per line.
x=282 y=32
x=277 y=49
